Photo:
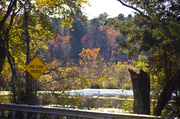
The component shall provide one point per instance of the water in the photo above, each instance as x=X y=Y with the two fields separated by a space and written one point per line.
x=101 y=92
x=113 y=97
x=90 y=92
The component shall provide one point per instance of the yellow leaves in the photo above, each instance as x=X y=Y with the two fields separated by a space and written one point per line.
x=47 y=3
x=103 y=78
x=66 y=72
x=110 y=78
x=83 y=76
x=38 y=27
x=84 y=80
x=95 y=82
x=68 y=69
x=87 y=81
x=81 y=62
x=106 y=76
x=92 y=74
x=89 y=55
x=63 y=73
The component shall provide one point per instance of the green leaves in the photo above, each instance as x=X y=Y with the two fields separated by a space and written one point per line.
x=158 y=37
x=65 y=9
x=141 y=63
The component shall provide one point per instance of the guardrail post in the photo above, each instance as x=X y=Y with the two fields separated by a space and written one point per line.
x=52 y=116
x=25 y=115
x=38 y=116
x=13 y=114
x=2 y=113
x=68 y=117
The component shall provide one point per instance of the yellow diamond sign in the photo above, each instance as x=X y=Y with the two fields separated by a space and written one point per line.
x=36 y=68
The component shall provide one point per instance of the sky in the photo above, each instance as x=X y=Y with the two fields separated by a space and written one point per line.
x=111 y=7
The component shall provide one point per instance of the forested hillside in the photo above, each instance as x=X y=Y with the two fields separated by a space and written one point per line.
x=87 y=55
x=87 y=34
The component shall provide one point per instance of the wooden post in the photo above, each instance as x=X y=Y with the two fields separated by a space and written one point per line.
x=38 y=116
x=52 y=116
x=68 y=117
x=141 y=90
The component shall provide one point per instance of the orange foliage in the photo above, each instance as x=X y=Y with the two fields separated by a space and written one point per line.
x=158 y=57
x=112 y=35
x=89 y=54
x=60 y=40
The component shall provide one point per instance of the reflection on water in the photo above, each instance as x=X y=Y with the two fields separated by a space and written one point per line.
x=105 y=97
x=99 y=97
x=102 y=92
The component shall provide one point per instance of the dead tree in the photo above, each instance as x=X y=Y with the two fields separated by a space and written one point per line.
x=141 y=90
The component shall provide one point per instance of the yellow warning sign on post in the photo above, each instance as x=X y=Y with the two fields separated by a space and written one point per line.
x=36 y=68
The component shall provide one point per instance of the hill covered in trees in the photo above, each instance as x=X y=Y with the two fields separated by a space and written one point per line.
x=88 y=34
x=89 y=53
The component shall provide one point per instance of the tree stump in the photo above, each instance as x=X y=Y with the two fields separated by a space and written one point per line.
x=141 y=91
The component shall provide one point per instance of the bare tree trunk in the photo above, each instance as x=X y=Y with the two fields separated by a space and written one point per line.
x=141 y=90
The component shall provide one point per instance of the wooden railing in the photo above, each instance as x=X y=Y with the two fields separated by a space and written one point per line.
x=57 y=111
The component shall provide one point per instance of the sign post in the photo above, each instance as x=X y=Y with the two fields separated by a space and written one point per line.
x=36 y=68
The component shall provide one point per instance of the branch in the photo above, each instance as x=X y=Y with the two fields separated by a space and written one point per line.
x=45 y=83
x=134 y=8
x=49 y=71
x=54 y=79
x=8 y=12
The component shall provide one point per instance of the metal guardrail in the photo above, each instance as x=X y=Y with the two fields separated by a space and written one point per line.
x=68 y=112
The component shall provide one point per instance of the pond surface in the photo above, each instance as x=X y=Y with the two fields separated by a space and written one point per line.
x=89 y=92
x=102 y=92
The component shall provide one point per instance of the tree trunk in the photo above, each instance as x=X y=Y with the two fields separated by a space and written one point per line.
x=141 y=90
x=29 y=89
x=2 y=53
x=167 y=91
